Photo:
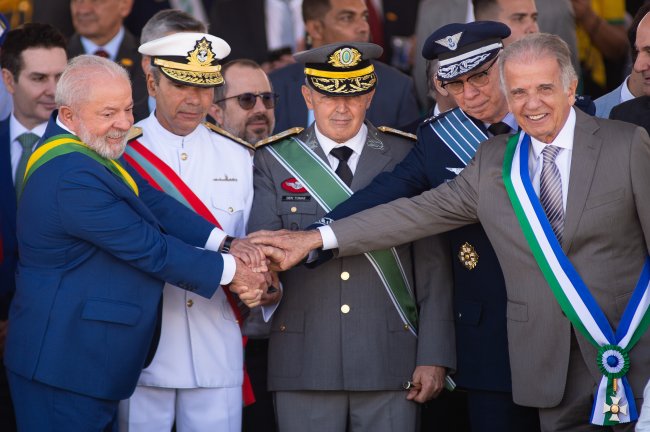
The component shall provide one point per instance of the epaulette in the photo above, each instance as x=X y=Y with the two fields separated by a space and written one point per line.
x=277 y=137
x=390 y=130
x=134 y=132
x=227 y=134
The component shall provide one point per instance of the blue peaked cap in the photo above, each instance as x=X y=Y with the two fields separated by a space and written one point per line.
x=461 y=48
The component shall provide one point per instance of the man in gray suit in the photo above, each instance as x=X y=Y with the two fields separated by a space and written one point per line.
x=580 y=262
x=346 y=336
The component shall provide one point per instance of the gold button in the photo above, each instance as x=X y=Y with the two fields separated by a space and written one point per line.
x=190 y=302
x=345 y=275
x=230 y=209
x=345 y=309
x=406 y=326
x=283 y=327
x=184 y=156
x=294 y=209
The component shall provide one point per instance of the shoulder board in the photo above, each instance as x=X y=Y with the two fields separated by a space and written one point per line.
x=134 y=132
x=389 y=130
x=228 y=135
x=277 y=137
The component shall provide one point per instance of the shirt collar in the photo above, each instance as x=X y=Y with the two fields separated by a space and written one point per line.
x=564 y=139
x=626 y=94
x=356 y=143
x=111 y=47
x=167 y=137
x=16 y=128
x=509 y=119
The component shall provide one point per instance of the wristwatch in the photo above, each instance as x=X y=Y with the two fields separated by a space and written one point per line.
x=227 y=244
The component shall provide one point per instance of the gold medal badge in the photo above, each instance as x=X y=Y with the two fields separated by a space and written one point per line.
x=468 y=256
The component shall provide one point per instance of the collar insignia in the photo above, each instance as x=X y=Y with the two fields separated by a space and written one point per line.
x=450 y=42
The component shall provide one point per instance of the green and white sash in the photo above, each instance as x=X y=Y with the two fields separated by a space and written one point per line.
x=328 y=190
x=614 y=401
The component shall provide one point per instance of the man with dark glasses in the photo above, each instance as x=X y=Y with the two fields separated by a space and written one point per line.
x=196 y=379
x=245 y=104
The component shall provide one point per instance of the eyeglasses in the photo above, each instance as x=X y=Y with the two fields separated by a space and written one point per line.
x=247 y=100
x=477 y=80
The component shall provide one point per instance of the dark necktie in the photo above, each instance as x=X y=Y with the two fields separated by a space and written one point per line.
x=550 y=190
x=27 y=141
x=101 y=53
x=344 y=172
x=499 y=128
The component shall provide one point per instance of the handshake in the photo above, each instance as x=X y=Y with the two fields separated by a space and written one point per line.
x=261 y=255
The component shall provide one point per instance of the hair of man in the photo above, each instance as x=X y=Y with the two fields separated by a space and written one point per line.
x=484 y=9
x=634 y=26
x=220 y=91
x=72 y=88
x=536 y=46
x=29 y=35
x=170 y=21
x=315 y=9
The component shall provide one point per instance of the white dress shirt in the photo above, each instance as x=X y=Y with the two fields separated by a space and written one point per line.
x=111 y=47
x=16 y=129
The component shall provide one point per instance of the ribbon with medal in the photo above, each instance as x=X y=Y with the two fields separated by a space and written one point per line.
x=614 y=401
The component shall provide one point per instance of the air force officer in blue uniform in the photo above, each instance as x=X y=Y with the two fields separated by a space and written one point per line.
x=95 y=249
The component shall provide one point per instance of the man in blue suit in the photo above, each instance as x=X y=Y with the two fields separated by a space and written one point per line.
x=466 y=54
x=336 y=21
x=96 y=245
x=33 y=58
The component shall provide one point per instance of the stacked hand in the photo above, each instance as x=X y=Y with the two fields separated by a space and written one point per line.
x=286 y=248
x=253 y=282
x=428 y=382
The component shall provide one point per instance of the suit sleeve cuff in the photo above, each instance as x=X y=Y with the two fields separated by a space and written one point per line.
x=329 y=239
x=214 y=240
x=229 y=268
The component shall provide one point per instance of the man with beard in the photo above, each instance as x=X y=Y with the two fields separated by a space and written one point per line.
x=96 y=243
x=244 y=105
x=195 y=379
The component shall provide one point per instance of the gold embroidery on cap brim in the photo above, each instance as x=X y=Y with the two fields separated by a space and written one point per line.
x=345 y=86
x=468 y=256
x=190 y=77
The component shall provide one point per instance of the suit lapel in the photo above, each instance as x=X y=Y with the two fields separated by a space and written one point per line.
x=586 y=148
x=7 y=189
x=372 y=161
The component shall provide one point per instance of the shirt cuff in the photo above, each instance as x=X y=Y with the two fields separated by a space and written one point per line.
x=329 y=239
x=229 y=269
x=215 y=239
x=269 y=310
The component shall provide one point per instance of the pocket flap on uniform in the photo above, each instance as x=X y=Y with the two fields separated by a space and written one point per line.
x=468 y=313
x=111 y=311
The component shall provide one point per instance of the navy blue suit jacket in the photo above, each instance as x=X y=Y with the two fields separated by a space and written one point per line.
x=93 y=261
x=393 y=105
x=7 y=222
x=479 y=294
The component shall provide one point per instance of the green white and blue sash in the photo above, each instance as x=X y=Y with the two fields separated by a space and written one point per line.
x=329 y=191
x=459 y=133
x=614 y=401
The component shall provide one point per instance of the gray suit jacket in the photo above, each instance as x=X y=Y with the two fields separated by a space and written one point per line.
x=313 y=345
x=606 y=237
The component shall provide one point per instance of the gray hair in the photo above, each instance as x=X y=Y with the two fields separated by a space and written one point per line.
x=170 y=21
x=81 y=74
x=536 y=46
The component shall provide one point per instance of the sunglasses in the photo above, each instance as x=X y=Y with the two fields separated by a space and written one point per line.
x=247 y=100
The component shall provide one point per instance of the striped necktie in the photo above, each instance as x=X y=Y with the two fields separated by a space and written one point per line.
x=550 y=190
x=27 y=141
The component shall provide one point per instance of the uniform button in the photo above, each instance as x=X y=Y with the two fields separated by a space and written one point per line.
x=460 y=315
x=345 y=309
x=230 y=209
x=294 y=209
x=406 y=326
x=283 y=327
x=184 y=156
x=190 y=302
x=345 y=276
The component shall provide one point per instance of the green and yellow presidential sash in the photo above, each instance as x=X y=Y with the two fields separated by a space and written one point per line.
x=614 y=401
x=59 y=145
